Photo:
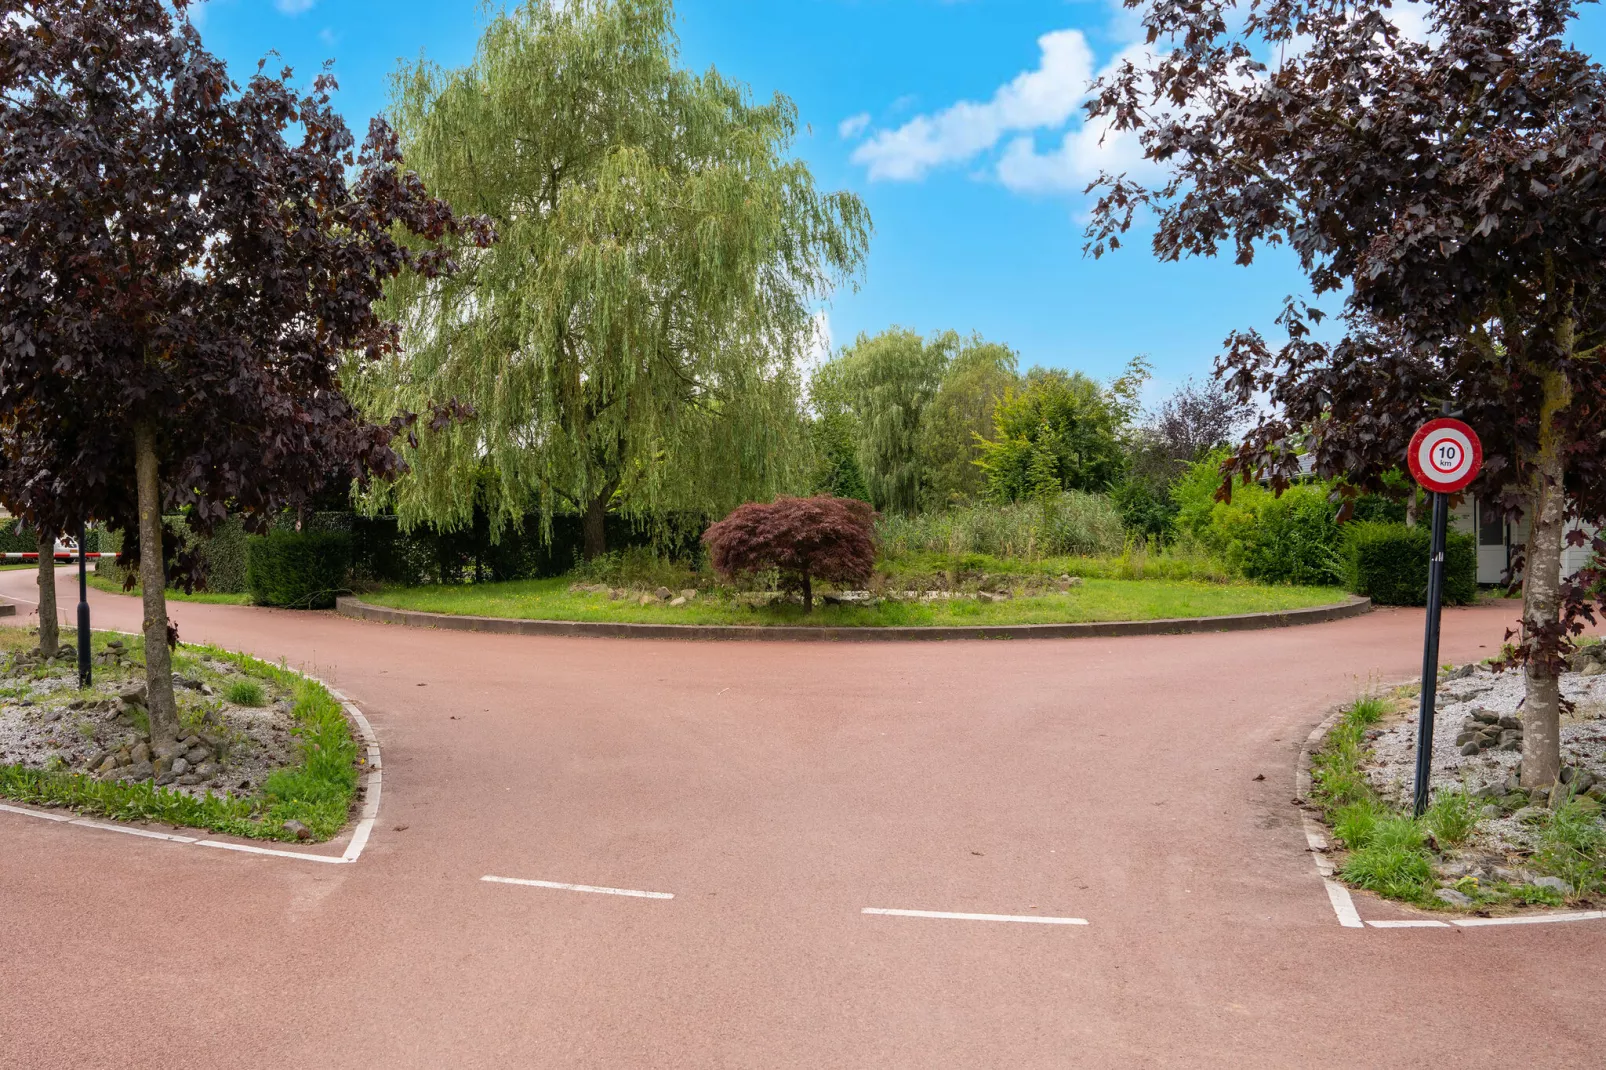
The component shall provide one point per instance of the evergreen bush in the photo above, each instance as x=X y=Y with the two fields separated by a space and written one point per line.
x=1389 y=563
x=298 y=569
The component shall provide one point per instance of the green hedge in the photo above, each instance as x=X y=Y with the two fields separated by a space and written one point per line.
x=300 y=570
x=1389 y=564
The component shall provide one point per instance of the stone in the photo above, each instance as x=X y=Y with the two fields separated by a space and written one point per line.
x=663 y=594
x=53 y=715
x=1555 y=884
x=1486 y=716
x=196 y=755
x=141 y=752
x=107 y=765
x=1491 y=812
x=1452 y=897
x=1594 y=668
x=140 y=771
x=133 y=696
x=208 y=770
x=1510 y=736
x=1514 y=747
x=190 y=779
x=1582 y=781
x=1530 y=813
x=688 y=593
x=1509 y=721
x=1587 y=806
x=164 y=779
x=1566 y=774
x=179 y=767
x=1514 y=782
x=1470 y=749
x=297 y=829
x=677 y=601
x=1464 y=738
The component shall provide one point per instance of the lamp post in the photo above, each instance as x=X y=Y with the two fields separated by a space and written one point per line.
x=83 y=611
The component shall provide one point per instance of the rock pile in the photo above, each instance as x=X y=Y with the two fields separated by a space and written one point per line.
x=1486 y=730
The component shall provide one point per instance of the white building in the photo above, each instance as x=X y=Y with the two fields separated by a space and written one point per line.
x=1498 y=537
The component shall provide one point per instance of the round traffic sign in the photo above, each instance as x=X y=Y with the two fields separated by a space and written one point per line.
x=1445 y=455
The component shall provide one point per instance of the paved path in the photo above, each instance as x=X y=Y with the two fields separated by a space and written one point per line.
x=776 y=791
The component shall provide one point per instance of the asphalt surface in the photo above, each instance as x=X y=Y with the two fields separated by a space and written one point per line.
x=776 y=791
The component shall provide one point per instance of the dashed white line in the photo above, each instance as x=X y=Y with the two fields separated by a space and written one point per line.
x=562 y=887
x=1030 y=919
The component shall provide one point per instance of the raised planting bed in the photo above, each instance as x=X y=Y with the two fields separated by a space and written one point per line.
x=1093 y=607
x=265 y=752
x=1487 y=846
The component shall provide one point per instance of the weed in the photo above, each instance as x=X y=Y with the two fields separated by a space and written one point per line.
x=1394 y=861
x=1572 y=846
x=1452 y=817
x=1368 y=710
x=246 y=693
x=1535 y=896
x=1355 y=822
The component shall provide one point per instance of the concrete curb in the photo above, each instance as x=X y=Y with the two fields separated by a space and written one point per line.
x=358 y=609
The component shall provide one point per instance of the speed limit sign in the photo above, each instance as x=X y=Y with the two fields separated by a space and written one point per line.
x=1445 y=455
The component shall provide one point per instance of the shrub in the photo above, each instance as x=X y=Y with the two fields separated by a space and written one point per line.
x=1292 y=538
x=1389 y=563
x=300 y=570
x=804 y=538
x=1072 y=523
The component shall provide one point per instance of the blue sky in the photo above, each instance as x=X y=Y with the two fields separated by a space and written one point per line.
x=955 y=120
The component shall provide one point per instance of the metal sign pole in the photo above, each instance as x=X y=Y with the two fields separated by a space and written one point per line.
x=1430 y=654
x=83 y=612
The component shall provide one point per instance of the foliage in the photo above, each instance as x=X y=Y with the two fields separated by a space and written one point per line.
x=245 y=693
x=1389 y=563
x=631 y=341
x=1446 y=188
x=183 y=280
x=1452 y=816
x=298 y=569
x=1572 y=846
x=1058 y=431
x=836 y=456
x=960 y=415
x=879 y=388
x=640 y=568
x=1292 y=538
x=1394 y=861
x=805 y=539
x=1069 y=523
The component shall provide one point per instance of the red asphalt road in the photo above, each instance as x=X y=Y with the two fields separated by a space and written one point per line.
x=776 y=790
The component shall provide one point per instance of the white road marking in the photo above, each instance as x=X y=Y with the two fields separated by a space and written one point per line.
x=560 y=886
x=1410 y=923
x=1031 y=919
x=1316 y=839
x=1534 y=919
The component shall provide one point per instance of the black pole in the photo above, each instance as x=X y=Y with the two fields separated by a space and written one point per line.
x=1430 y=654
x=83 y=612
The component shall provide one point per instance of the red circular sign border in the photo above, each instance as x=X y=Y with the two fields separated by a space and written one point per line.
x=1438 y=485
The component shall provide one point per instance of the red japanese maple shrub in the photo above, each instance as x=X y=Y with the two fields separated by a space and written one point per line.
x=805 y=538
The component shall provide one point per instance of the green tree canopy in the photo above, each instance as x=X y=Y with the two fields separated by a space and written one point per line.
x=1059 y=431
x=879 y=387
x=631 y=341
x=959 y=416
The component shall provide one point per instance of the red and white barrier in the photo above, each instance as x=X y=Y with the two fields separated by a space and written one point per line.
x=62 y=556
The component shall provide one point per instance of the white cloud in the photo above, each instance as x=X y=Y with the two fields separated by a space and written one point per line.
x=853 y=126
x=294 y=7
x=328 y=36
x=821 y=344
x=1045 y=97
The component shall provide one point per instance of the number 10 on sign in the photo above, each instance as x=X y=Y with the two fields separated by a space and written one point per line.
x=1445 y=455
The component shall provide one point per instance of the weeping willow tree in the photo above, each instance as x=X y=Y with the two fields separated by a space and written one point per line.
x=631 y=341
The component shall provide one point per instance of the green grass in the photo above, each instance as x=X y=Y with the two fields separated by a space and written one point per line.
x=317 y=791
x=1095 y=600
x=246 y=693
x=105 y=583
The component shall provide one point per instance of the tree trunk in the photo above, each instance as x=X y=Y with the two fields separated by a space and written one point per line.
x=1541 y=582
x=808 y=592
x=163 y=708
x=1410 y=508
x=594 y=526
x=49 y=634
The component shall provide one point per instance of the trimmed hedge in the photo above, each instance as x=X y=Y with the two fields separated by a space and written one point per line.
x=299 y=570
x=1389 y=563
